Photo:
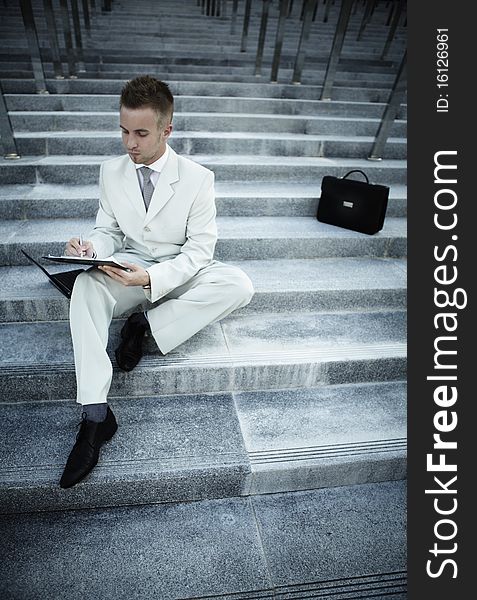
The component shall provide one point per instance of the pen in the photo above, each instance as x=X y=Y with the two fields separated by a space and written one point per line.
x=81 y=244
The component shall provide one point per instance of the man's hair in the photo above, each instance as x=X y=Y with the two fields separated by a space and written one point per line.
x=147 y=91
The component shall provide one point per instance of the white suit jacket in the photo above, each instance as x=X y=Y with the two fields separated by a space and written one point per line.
x=178 y=231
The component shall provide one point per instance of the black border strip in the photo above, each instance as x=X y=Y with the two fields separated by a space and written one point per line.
x=429 y=132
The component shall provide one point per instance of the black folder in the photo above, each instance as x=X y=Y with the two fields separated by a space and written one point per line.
x=63 y=281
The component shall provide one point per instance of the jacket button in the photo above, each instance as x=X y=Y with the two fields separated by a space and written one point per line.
x=146 y=229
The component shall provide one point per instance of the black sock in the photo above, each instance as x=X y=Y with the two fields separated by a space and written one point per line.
x=96 y=412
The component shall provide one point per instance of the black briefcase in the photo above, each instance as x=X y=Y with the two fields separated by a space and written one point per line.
x=357 y=205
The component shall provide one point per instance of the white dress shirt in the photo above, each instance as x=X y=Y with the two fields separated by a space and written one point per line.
x=156 y=167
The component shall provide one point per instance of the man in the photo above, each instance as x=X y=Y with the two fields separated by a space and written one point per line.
x=157 y=217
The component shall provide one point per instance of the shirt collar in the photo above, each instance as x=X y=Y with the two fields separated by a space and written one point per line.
x=158 y=165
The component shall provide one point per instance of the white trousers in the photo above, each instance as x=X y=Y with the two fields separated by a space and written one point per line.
x=213 y=293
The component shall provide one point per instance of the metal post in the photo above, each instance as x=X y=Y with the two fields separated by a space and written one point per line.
x=290 y=8
x=392 y=30
x=391 y=12
x=261 y=36
x=77 y=32
x=305 y=34
x=32 y=38
x=302 y=12
x=86 y=17
x=336 y=49
x=6 y=130
x=279 y=40
x=246 y=21
x=70 y=53
x=234 y=17
x=391 y=111
x=368 y=11
x=327 y=11
x=53 y=36
x=207 y=10
x=315 y=12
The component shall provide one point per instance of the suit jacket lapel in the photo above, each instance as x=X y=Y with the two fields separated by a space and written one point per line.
x=164 y=190
x=132 y=189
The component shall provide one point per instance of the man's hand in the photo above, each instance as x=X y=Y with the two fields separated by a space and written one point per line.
x=74 y=248
x=135 y=276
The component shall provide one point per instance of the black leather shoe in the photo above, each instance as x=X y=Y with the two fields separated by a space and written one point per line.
x=129 y=351
x=85 y=453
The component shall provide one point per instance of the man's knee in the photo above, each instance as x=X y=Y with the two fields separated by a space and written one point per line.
x=241 y=287
x=88 y=288
x=82 y=283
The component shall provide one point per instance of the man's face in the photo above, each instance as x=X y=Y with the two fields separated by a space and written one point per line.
x=143 y=138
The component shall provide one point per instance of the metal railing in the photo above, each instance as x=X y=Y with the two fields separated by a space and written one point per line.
x=56 y=53
x=213 y=8
x=336 y=49
x=66 y=36
x=391 y=111
x=279 y=40
x=6 y=130
x=53 y=39
x=33 y=45
x=261 y=36
x=308 y=14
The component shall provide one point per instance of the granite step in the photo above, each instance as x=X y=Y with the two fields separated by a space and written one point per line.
x=108 y=40
x=167 y=30
x=311 y=73
x=240 y=238
x=234 y=444
x=341 y=543
x=239 y=199
x=324 y=437
x=355 y=66
x=310 y=77
x=376 y=89
x=352 y=68
x=112 y=47
x=33 y=121
x=85 y=169
x=280 y=286
x=310 y=110
x=247 y=352
x=170 y=30
x=106 y=51
x=203 y=86
x=171 y=25
x=77 y=143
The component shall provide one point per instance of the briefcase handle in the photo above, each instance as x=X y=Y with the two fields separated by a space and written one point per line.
x=356 y=171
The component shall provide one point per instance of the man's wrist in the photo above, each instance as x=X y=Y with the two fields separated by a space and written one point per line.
x=147 y=286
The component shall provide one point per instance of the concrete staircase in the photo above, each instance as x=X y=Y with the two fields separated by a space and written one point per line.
x=266 y=456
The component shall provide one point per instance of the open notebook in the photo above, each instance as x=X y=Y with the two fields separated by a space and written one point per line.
x=62 y=281
x=86 y=260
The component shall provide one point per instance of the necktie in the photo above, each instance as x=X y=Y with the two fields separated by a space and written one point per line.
x=147 y=188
